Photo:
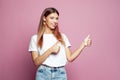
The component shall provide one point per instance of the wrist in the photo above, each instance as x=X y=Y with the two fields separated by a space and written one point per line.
x=83 y=45
x=50 y=51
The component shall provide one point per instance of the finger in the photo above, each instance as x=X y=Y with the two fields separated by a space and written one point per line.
x=90 y=43
x=86 y=40
x=56 y=43
x=88 y=37
x=58 y=48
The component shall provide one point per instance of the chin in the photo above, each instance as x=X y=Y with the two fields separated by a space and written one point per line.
x=52 y=28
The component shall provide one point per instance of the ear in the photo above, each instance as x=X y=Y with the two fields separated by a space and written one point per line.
x=44 y=19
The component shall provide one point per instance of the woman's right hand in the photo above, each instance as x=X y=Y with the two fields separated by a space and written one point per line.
x=55 y=48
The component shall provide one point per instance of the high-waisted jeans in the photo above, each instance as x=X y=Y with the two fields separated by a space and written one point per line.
x=48 y=73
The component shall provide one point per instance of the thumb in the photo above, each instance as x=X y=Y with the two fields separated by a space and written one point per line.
x=56 y=42
x=86 y=39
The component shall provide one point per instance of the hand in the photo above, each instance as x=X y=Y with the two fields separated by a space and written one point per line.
x=87 y=41
x=55 y=48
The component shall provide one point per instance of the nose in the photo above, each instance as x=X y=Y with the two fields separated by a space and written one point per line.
x=55 y=21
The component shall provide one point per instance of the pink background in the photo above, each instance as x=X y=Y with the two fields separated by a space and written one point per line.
x=78 y=18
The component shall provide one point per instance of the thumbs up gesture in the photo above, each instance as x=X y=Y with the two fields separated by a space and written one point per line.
x=87 y=41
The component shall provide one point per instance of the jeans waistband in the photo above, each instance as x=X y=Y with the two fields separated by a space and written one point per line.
x=51 y=67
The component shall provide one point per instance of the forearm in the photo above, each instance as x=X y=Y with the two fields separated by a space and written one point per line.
x=41 y=58
x=77 y=52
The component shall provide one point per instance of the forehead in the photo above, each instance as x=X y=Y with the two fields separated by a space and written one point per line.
x=53 y=15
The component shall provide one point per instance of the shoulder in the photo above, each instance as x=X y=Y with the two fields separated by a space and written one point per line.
x=63 y=35
x=34 y=37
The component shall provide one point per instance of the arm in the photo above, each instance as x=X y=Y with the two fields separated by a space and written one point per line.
x=72 y=56
x=39 y=59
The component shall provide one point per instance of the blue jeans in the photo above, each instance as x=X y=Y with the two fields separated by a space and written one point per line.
x=47 y=73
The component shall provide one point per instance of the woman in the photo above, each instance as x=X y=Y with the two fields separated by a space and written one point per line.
x=50 y=48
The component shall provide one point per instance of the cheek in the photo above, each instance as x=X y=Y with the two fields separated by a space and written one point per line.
x=48 y=21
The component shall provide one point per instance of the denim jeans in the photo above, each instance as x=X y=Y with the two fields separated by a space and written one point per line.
x=47 y=73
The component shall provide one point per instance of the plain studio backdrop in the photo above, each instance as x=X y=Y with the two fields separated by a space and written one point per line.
x=19 y=20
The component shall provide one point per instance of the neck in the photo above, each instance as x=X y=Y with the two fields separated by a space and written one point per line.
x=47 y=30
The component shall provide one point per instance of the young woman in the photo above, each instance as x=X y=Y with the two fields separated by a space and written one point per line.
x=50 y=48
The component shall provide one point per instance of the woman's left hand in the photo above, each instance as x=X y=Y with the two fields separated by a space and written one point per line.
x=87 y=41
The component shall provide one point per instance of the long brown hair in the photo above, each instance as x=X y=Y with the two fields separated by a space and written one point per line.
x=41 y=27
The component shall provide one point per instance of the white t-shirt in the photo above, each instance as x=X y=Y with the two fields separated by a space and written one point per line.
x=48 y=41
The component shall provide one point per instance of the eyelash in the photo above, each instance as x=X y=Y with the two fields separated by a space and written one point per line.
x=53 y=18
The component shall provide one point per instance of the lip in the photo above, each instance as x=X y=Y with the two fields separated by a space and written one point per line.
x=54 y=24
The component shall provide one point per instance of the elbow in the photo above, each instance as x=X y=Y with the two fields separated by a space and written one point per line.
x=37 y=63
x=70 y=60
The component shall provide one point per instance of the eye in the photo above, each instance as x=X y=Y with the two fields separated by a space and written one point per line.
x=51 y=17
x=57 y=18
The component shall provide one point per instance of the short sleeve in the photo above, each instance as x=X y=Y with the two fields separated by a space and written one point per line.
x=33 y=44
x=67 y=43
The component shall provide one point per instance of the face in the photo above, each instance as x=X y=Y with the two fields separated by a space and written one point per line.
x=51 y=20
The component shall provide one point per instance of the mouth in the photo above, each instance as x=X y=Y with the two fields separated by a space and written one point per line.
x=55 y=24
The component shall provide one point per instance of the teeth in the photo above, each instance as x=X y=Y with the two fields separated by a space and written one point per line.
x=56 y=24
